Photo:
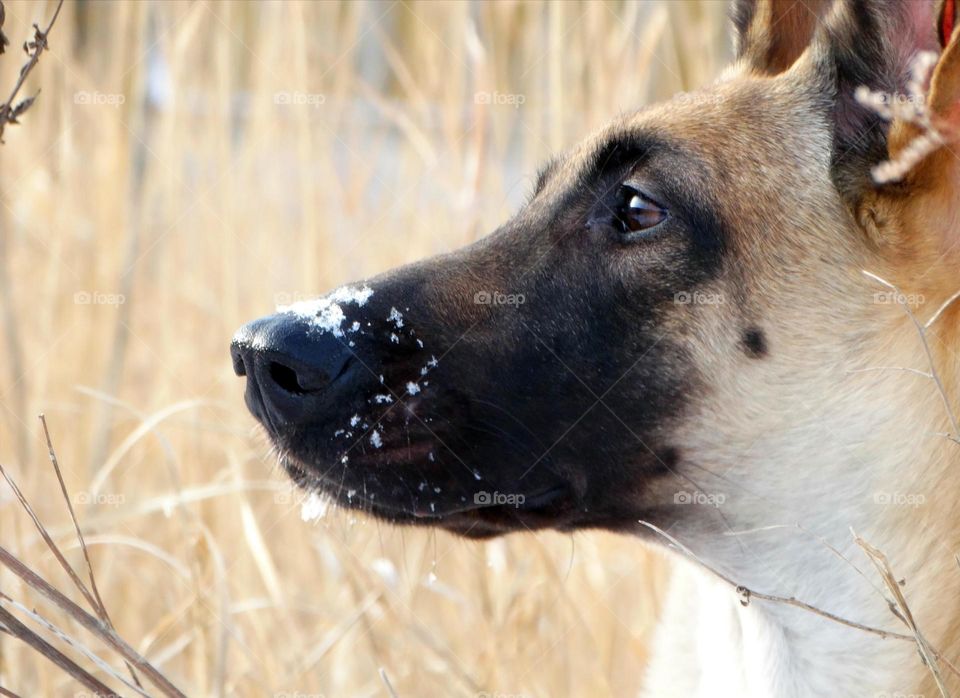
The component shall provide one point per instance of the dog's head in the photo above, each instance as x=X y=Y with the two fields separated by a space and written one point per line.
x=670 y=330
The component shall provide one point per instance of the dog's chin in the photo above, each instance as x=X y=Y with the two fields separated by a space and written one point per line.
x=551 y=507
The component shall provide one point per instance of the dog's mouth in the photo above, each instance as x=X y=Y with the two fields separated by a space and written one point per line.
x=479 y=512
x=402 y=452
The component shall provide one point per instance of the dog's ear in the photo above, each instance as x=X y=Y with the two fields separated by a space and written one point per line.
x=944 y=97
x=872 y=44
x=770 y=35
x=925 y=197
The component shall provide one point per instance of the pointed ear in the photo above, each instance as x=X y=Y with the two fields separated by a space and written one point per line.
x=944 y=98
x=872 y=44
x=926 y=199
x=770 y=35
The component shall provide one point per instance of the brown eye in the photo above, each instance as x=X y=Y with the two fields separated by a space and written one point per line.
x=638 y=213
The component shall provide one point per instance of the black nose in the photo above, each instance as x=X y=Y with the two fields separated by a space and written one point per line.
x=293 y=368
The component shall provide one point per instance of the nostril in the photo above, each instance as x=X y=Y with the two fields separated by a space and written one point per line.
x=286 y=378
x=289 y=367
x=236 y=354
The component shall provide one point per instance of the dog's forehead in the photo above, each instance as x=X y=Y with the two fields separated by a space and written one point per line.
x=737 y=118
x=728 y=131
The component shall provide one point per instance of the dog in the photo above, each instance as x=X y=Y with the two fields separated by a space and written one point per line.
x=711 y=327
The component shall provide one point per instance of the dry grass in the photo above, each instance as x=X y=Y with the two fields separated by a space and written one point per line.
x=158 y=165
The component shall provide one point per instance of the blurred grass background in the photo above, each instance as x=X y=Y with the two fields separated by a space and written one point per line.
x=187 y=166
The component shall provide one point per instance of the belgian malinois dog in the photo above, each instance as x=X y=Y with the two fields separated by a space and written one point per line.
x=710 y=321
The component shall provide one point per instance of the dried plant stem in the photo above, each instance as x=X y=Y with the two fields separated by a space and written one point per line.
x=98 y=606
x=902 y=610
x=18 y=630
x=922 y=333
x=81 y=587
x=946 y=304
x=92 y=624
x=910 y=108
x=70 y=642
x=746 y=595
x=9 y=112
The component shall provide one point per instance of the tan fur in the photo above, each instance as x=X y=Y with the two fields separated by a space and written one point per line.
x=779 y=32
x=800 y=253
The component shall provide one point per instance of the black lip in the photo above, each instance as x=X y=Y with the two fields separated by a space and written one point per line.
x=541 y=510
x=404 y=454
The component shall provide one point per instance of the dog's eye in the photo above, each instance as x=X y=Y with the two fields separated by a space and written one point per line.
x=637 y=212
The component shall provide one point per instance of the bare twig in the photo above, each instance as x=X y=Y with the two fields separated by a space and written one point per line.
x=869 y=369
x=99 y=606
x=92 y=624
x=902 y=610
x=69 y=641
x=936 y=316
x=746 y=595
x=49 y=541
x=922 y=332
x=386 y=683
x=22 y=632
x=10 y=111
x=4 y=42
x=912 y=111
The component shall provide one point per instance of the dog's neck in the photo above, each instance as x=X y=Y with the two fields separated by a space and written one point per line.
x=896 y=489
x=709 y=640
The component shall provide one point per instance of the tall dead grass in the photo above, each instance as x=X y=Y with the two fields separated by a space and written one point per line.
x=186 y=167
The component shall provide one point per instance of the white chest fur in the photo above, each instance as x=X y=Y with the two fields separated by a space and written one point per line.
x=708 y=644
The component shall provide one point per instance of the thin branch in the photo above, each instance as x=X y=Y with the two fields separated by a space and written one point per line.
x=49 y=541
x=902 y=610
x=10 y=112
x=99 y=606
x=71 y=642
x=386 y=683
x=921 y=331
x=22 y=632
x=916 y=371
x=941 y=310
x=4 y=42
x=747 y=594
x=94 y=625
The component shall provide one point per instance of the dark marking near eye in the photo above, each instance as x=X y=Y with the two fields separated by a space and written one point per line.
x=755 y=343
x=669 y=457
